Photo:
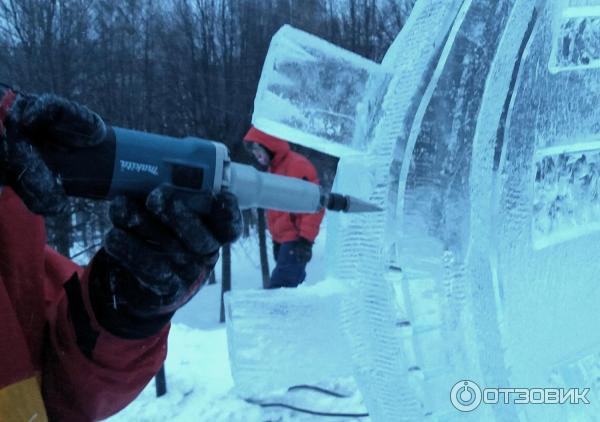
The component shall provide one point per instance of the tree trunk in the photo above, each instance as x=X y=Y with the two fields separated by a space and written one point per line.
x=225 y=277
x=262 y=243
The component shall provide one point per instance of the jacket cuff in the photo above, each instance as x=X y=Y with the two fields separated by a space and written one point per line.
x=117 y=318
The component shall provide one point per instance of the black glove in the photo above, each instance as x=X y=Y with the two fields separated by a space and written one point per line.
x=302 y=250
x=157 y=257
x=46 y=120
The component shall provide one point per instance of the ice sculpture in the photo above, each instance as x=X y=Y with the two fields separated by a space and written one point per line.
x=317 y=94
x=485 y=154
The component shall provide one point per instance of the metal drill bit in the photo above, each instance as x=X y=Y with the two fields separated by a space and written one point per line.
x=347 y=203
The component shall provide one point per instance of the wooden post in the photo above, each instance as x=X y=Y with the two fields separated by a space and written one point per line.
x=262 y=243
x=225 y=277
x=212 y=279
x=161 y=382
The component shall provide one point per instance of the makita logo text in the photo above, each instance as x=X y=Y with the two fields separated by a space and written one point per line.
x=139 y=167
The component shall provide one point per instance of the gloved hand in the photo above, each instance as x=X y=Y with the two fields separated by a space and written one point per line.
x=44 y=120
x=302 y=250
x=157 y=257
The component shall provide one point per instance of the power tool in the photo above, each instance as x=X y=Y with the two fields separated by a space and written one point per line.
x=133 y=163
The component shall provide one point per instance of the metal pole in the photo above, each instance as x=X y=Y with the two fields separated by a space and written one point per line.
x=161 y=382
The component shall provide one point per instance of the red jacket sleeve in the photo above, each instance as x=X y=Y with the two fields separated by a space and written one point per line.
x=308 y=224
x=80 y=386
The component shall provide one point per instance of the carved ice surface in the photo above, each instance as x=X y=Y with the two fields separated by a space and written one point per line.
x=548 y=297
x=566 y=193
x=576 y=40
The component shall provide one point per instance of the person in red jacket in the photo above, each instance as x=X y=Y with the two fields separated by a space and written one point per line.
x=293 y=234
x=78 y=344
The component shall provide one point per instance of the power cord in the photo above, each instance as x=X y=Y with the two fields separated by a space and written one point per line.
x=310 y=411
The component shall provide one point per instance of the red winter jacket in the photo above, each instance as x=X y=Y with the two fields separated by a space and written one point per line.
x=46 y=322
x=285 y=226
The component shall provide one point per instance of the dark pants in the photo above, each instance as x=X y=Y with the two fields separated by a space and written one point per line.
x=289 y=271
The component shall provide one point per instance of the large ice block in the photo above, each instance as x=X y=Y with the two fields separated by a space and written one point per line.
x=316 y=94
x=285 y=337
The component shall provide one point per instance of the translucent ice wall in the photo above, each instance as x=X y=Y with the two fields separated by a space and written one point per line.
x=433 y=207
x=497 y=206
x=538 y=256
x=376 y=319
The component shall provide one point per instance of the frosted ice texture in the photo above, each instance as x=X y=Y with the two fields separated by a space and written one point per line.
x=376 y=319
x=431 y=213
x=543 y=255
x=576 y=37
x=566 y=196
x=284 y=337
x=316 y=94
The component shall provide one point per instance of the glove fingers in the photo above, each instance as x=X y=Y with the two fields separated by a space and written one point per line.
x=64 y=122
x=148 y=264
x=133 y=218
x=225 y=219
x=33 y=181
x=174 y=211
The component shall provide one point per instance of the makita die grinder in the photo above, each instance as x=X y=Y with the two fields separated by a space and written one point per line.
x=133 y=163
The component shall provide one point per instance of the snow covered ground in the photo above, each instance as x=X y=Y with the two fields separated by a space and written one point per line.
x=199 y=381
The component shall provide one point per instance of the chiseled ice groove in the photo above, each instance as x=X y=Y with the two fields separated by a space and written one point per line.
x=576 y=40
x=566 y=199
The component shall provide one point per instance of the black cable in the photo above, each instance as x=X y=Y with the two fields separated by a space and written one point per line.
x=318 y=389
x=307 y=411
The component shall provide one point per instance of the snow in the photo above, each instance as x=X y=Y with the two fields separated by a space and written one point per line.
x=198 y=381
